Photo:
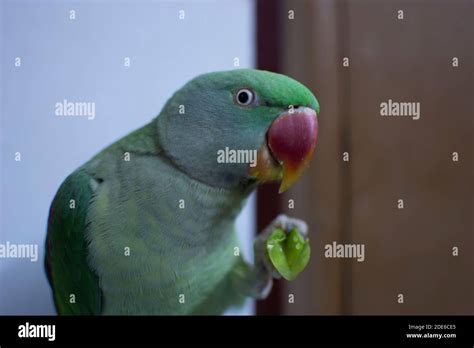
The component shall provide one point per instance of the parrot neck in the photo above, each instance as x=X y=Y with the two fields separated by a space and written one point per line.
x=190 y=193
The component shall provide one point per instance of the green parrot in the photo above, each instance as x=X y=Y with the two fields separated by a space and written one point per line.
x=147 y=225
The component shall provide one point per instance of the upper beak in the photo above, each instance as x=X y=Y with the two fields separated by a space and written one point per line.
x=291 y=141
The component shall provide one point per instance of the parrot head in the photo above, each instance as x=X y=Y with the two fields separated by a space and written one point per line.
x=236 y=128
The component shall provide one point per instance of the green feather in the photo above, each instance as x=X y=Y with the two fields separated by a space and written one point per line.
x=76 y=287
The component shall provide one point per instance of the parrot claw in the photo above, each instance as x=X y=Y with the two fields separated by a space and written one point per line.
x=287 y=224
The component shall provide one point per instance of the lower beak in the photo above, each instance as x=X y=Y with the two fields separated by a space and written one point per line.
x=291 y=141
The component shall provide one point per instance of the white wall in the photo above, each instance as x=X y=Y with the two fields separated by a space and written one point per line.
x=82 y=60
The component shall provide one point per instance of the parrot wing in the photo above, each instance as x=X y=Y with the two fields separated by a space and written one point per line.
x=75 y=286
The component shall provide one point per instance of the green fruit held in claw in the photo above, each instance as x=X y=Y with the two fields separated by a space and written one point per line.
x=289 y=253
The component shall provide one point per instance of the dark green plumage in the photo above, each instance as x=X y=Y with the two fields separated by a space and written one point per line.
x=66 y=261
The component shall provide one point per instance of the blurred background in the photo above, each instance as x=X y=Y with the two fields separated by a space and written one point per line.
x=408 y=251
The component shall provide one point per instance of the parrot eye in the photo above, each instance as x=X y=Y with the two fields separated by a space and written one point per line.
x=244 y=97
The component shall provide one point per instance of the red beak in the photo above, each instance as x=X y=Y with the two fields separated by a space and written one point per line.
x=292 y=141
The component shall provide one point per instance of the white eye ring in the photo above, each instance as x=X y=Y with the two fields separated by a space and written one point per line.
x=244 y=97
